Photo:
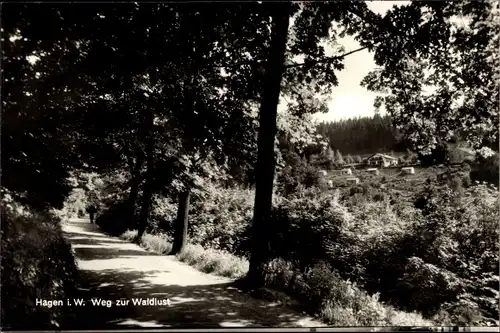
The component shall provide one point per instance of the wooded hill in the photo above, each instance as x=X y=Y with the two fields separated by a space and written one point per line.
x=362 y=135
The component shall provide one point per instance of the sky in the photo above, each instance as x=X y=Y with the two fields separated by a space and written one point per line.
x=349 y=99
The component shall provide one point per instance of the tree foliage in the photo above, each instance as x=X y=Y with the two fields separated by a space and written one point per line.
x=439 y=72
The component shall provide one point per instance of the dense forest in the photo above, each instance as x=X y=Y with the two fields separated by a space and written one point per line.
x=363 y=135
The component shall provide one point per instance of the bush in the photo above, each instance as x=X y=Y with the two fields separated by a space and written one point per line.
x=455 y=256
x=158 y=243
x=214 y=261
x=36 y=264
x=420 y=258
x=222 y=219
x=162 y=216
x=302 y=224
x=297 y=175
x=74 y=205
x=486 y=169
x=129 y=235
x=338 y=302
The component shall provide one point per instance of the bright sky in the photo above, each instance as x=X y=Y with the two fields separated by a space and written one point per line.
x=349 y=99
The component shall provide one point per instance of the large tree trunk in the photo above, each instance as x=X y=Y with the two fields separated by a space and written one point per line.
x=134 y=190
x=266 y=159
x=181 y=225
x=148 y=187
x=147 y=193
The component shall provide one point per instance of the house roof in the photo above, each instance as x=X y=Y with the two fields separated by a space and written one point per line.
x=383 y=155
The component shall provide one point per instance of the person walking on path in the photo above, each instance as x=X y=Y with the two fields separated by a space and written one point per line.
x=92 y=206
x=92 y=210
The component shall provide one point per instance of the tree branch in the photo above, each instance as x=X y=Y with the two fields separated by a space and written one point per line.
x=327 y=59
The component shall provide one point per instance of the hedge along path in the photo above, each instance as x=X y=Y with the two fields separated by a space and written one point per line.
x=124 y=286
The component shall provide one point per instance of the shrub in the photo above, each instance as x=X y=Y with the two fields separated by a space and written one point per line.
x=162 y=215
x=222 y=220
x=214 y=261
x=338 y=302
x=129 y=235
x=36 y=264
x=486 y=169
x=420 y=258
x=455 y=252
x=302 y=224
x=158 y=243
x=74 y=205
x=299 y=173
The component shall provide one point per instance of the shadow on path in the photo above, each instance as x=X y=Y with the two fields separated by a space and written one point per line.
x=111 y=270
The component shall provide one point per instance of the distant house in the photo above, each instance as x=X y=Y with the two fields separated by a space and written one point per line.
x=323 y=173
x=382 y=160
x=354 y=180
x=373 y=170
x=347 y=171
x=408 y=170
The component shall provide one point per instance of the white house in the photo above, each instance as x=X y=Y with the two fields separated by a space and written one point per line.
x=372 y=170
x=382 y=160
x=347 y=171
x=354 y=180
x=408 y=170
x=323 y=173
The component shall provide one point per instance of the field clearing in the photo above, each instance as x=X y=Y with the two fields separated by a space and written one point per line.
x=389 y=176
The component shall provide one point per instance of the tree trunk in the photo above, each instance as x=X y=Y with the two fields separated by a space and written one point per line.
x=148 y=188
x=134 y=190
x=181 y=225
x=147 y=193
x=266 y=160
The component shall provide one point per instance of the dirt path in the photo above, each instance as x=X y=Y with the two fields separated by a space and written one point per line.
x=112 y=269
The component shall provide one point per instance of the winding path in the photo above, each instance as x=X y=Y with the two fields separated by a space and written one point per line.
x=111 y=269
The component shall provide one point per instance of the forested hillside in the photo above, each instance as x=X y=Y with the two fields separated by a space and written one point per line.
x=362 y=135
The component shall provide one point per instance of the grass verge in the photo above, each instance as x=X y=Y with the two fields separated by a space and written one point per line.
x=209 y=261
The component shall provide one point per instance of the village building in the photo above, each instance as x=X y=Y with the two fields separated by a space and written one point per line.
x=354 y=180
x=347 y=171
x=408 y=170
x=382 y=160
